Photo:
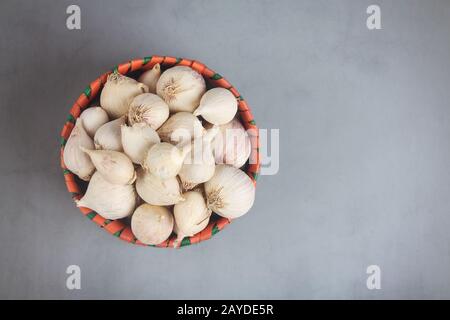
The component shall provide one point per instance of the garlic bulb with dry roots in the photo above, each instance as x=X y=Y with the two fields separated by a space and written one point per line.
x=199 y=164
x=111 y=201
x=114 y=166
x=148 y=108
x=150 y=77
x=157 y=191
x=118 y=92
x=108 y=136
x=181 y=87
x=74 y=158
x=93 y=118
x=217 y=106
x=230 y=193
x=232 y=145
x=191 y=215
x=181 y=128
x=152 y=224
x=165 y=160
x=137 y=140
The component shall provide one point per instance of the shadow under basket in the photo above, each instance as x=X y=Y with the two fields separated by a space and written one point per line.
x=121 y=228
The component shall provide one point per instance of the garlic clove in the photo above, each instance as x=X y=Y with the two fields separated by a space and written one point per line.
x=150 y=77
x=181 y=87
x=232 y=145
x=179 y=238
x=181 y=128
x=111 y=201
x=217 y=106
x=230 y=192
x=74 y=159
x=165 y=160
x=114 y=166
x=148 y=108
x=191 y=215
x=137 y=140
x=156 y=191
x=93 y=118
x=152 y=225
x=118 y=92
x=108 y=136
x=199 y=164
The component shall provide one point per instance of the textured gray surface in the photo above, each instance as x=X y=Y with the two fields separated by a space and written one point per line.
x=364 y=178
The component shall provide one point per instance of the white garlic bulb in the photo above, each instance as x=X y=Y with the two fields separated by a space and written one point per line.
x=114 y=166
x=93 y=118
x=108 y=136
x=230 y=193
x=217 y=106
x=156 y=191
x=181 y=88
x=150 y=77
x=111 y=201
x=118 y=92
x=152 y=224
x=165 y=160
x=74 y=158
x=137 y=140
x=148 y=108
x=232 y=145
x=199 y=164
x=191 y=215
x=181 y=128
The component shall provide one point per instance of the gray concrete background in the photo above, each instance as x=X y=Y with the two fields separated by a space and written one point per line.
x=364 y=177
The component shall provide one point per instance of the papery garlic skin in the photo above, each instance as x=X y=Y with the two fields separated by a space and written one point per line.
x=148 y=108
x=199 y=164
x=93 y=118
x=108 y=136
x=137 y=140
x=181 y=87
x=217 y=106
x=111 y=201
x=198 y=188
x=152 y=225
x=114 y=166
x=232 y=145
x=74 y=158
x=150 y=77
x=191 y=215
x=156 y=191
x=181 y=128
x=230 y=193
x=118 y=92
x=165 y=160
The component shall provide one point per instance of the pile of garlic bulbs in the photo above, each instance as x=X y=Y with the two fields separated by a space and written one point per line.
x=164 y=150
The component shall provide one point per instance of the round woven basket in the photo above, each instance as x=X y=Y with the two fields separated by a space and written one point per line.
x=120 y=228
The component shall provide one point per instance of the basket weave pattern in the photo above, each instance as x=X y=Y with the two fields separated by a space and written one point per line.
x=119 y=228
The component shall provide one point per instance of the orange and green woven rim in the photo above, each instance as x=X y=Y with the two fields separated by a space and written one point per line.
x=119 y=228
